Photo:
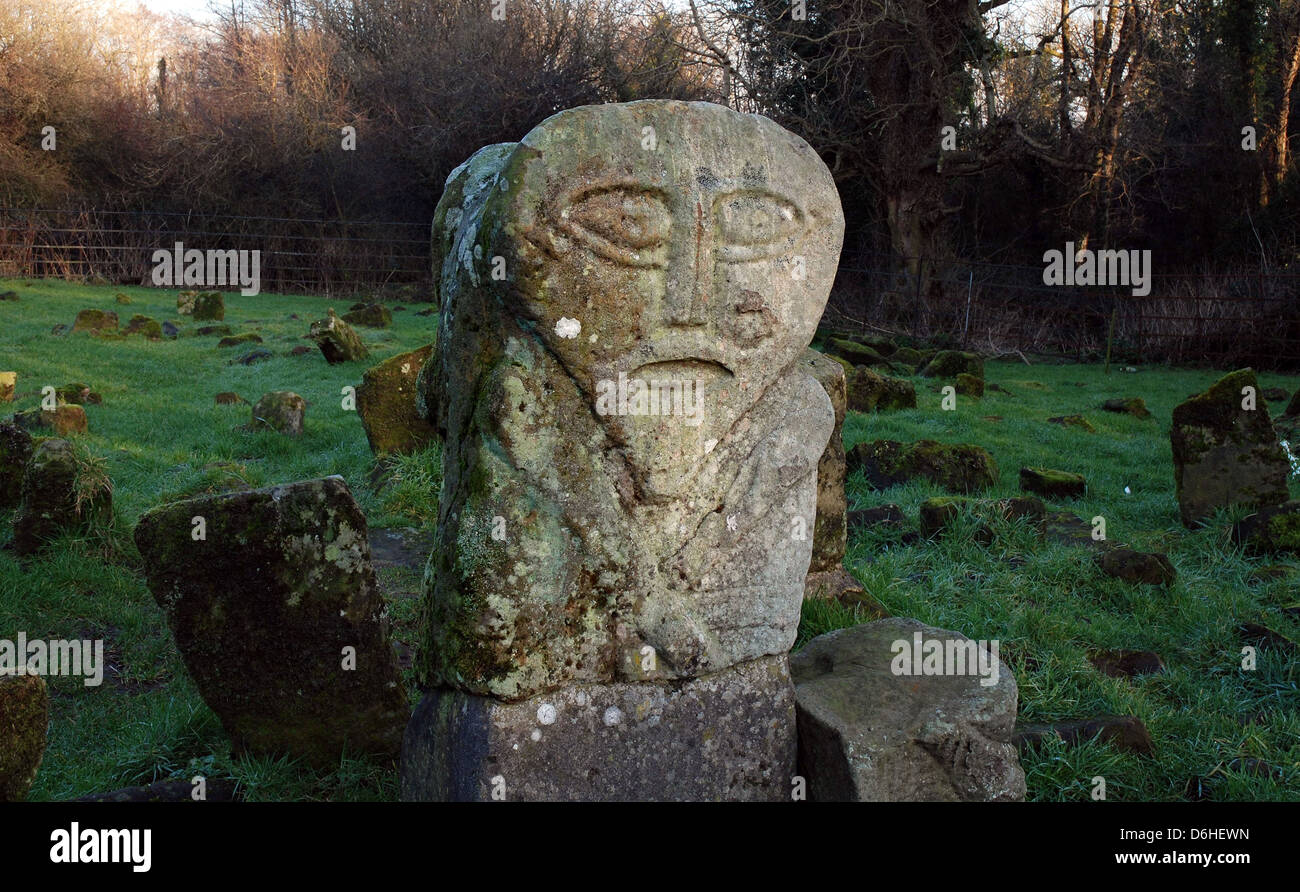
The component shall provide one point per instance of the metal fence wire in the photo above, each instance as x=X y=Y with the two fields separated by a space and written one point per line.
x=1219 y=318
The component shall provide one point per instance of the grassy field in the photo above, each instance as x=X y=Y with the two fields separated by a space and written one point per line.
x=163 y=438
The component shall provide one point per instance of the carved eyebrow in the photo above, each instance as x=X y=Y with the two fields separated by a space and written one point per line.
x=574 y=196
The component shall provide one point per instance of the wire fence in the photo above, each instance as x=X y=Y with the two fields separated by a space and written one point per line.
x=1219 y=318
x=295 y=255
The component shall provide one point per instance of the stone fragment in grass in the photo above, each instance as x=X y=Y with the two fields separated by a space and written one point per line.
x=969 y=385
x=1124 y=732
x=209 y=306
x=386 y=404
x=337 y=340
x=247 y=337
x=1075 y=421
x=169 y=330
x=1264 y=637
x=144 y=325
x=254 y=357
x=122 y=299
x=937 y=515
x=15 y=452
x=1271 y=530
x=9 y=295
x=1133 y=405
x=951 y=363
x=1052 y=483
x=63 y=420
x=278 y=617
x=856 y=354
x=185 y=302
x=300 y=350
x=370 y=315
x=78 y=394
x=280 y=410
x=205 y=330
x=24 y=723
x=960 y=468
x=1127 y=663
x=1274 y=394
x=869 y=733
x=58 y=496
x=95 y=321
x=909 y=359
x=8 y=383
x=870 y=391
x=229 y=398
x=1137 y=567
x=1225 y=454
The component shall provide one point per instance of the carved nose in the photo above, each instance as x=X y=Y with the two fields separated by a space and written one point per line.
x=687 y=302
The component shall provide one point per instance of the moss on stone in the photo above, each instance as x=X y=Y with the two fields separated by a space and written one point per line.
x=144 y=325
x=951 y=363
x=95 y=321
x=24 y=720
x=209 y=306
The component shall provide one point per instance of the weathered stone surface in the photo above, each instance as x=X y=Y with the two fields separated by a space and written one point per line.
x=1135 y=406
x=881 y=515
x=386 y=404
x=49 y=503
x=870 y=391
x=253 y=357
x=868 y=734
x=209 y=306
x=960 y=468
x=169 y=330
x=63 y=420
x=830 y=534
x=1124 y=732
x=1224 y=454
x=15 y=451
x=1075 y=421
x=723 y=736
x=369 y=315
x=951 y=363
x=229 y=398
x=24 y=723
x=1138 y=567
x=95 y=321
x=1052 y=483
x=122 y=299
x=1271 y=530
x=205 y=330
x=144 y=325
x=280 y=410
x=248 y=337
x=185 y=302
x=8 y=383
x=970 y=385
x=262 y=609
x=857 y=354
x=625 y=529
x=337 y=340
x=908 y=358
x=9 y=295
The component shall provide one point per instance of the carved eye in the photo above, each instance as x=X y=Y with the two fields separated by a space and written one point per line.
x=755 y=225
x=624 y=224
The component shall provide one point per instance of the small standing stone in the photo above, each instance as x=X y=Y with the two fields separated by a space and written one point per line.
x=337 y=340
x=386 y=404
x=209 y=305
x=24 y=723
x=50 y=499
x=8 y=383
x=95 y=321
x=15 y=452
x=280 y=410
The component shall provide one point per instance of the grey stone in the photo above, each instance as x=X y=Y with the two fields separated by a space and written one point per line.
x=867 y=734
x=725 y=736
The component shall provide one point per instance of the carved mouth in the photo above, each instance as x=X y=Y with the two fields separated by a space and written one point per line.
x=686 y=368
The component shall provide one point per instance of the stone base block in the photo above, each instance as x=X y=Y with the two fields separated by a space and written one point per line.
x=725 y=736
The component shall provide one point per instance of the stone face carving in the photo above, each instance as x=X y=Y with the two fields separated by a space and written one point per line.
x=574 y=264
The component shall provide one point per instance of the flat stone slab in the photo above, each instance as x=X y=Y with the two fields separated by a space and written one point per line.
x=724 y=736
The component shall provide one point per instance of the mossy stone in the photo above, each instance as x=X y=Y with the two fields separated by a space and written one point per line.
x=209 y=306
x=15 y=452
x=371 y=316
x=337 y=340
x=870 y=391
x=1271 y=530
x=24 y=723
x=830 y=532
x=144 y=325
x=1052 y=483
x=951 y=363
x=122 y=299
x=1075 y=421
x=247 y=337
x=1137 y=567
x=49 y=498
x=280 y=410
x=1133 y=405
x=95 y=321
x=969 y=385
x=857 y=354
x=386 y=402
x=960 y=468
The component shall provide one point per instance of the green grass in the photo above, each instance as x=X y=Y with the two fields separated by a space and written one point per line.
x=1049 y=605
x=162 y=438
